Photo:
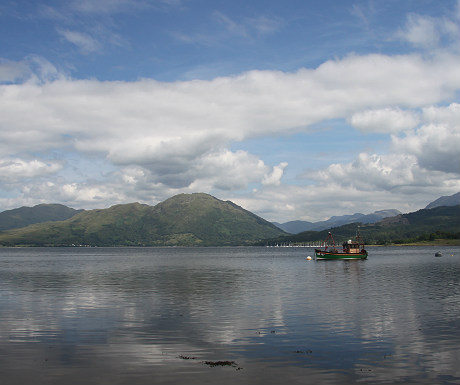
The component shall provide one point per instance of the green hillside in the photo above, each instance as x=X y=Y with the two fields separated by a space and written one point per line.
x=431 y=224
x=24 y=216
x=183 y=220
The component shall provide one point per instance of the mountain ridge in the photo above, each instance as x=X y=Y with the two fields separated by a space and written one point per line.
x=298 y=226
x=187 y=220
x=449 y=200
x=24 y=216
x=442 y=222
x=183 y=220
x=295 y=227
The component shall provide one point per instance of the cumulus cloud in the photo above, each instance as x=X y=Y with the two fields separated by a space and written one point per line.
x=369 y=183
x=320 y=202
x=386 y=120
x=215 y=170
x=448 y=116
x=435 y=143
x=425 y=156
x=373 y=172
x=274 y=178
x=15 y=169
x=424 y=162
x=138 y=119
x=171 y=137
x=226 y=170
x=86 y=195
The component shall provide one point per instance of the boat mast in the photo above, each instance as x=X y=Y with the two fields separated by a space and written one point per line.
x=359 y=240
x=329 y=236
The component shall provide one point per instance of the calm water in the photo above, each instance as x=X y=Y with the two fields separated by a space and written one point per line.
x=227 y=316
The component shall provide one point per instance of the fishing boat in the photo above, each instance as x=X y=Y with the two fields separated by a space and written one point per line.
x=350 y=249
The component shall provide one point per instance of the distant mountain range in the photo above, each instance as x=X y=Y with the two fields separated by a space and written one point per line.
x=202 y=220
x=183 y=220
x=295 y=227
x=442 y=222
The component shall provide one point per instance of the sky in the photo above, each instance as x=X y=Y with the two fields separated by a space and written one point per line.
x=293 y=109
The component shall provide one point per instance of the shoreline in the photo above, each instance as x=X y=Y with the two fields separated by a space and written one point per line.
x=440 y=242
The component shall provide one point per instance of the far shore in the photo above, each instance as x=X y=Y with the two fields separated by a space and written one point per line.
x=437 y=242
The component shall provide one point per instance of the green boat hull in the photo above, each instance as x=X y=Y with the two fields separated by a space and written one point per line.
x=319 y=254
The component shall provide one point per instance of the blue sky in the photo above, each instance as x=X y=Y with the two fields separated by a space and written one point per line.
x=293 y=109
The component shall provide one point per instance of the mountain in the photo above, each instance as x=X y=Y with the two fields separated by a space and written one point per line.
x=183 y=220
x=295 y=227
x=426 y=224
x=451 y=200
x=24 y=216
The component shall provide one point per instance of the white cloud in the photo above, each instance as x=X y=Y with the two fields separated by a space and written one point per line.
x=420 y=31
x=144 y=120
x=428 y=32
x=226 y=170
x=365 y=185
x=320 y=202
x=15 y=169
x=167 y=138
x=373 y=172
x=215 y=170
x=274 y=178
x=449 y=115
x=436 y=143
x=386 y=120
x=425 y=157
x=147 y=140
x=78 y=195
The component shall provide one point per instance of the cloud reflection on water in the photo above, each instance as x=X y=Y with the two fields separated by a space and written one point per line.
x=131 y=314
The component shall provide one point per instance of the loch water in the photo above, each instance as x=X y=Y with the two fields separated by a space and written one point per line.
x=238 y=315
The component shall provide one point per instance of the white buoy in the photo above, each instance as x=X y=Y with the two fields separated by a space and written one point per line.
x=308 y=258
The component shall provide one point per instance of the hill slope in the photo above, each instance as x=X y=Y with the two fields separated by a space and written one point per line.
x=451 y=200
x=24 y=216
x=183 y=220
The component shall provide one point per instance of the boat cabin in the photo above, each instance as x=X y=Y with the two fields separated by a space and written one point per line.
x=352 y=247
